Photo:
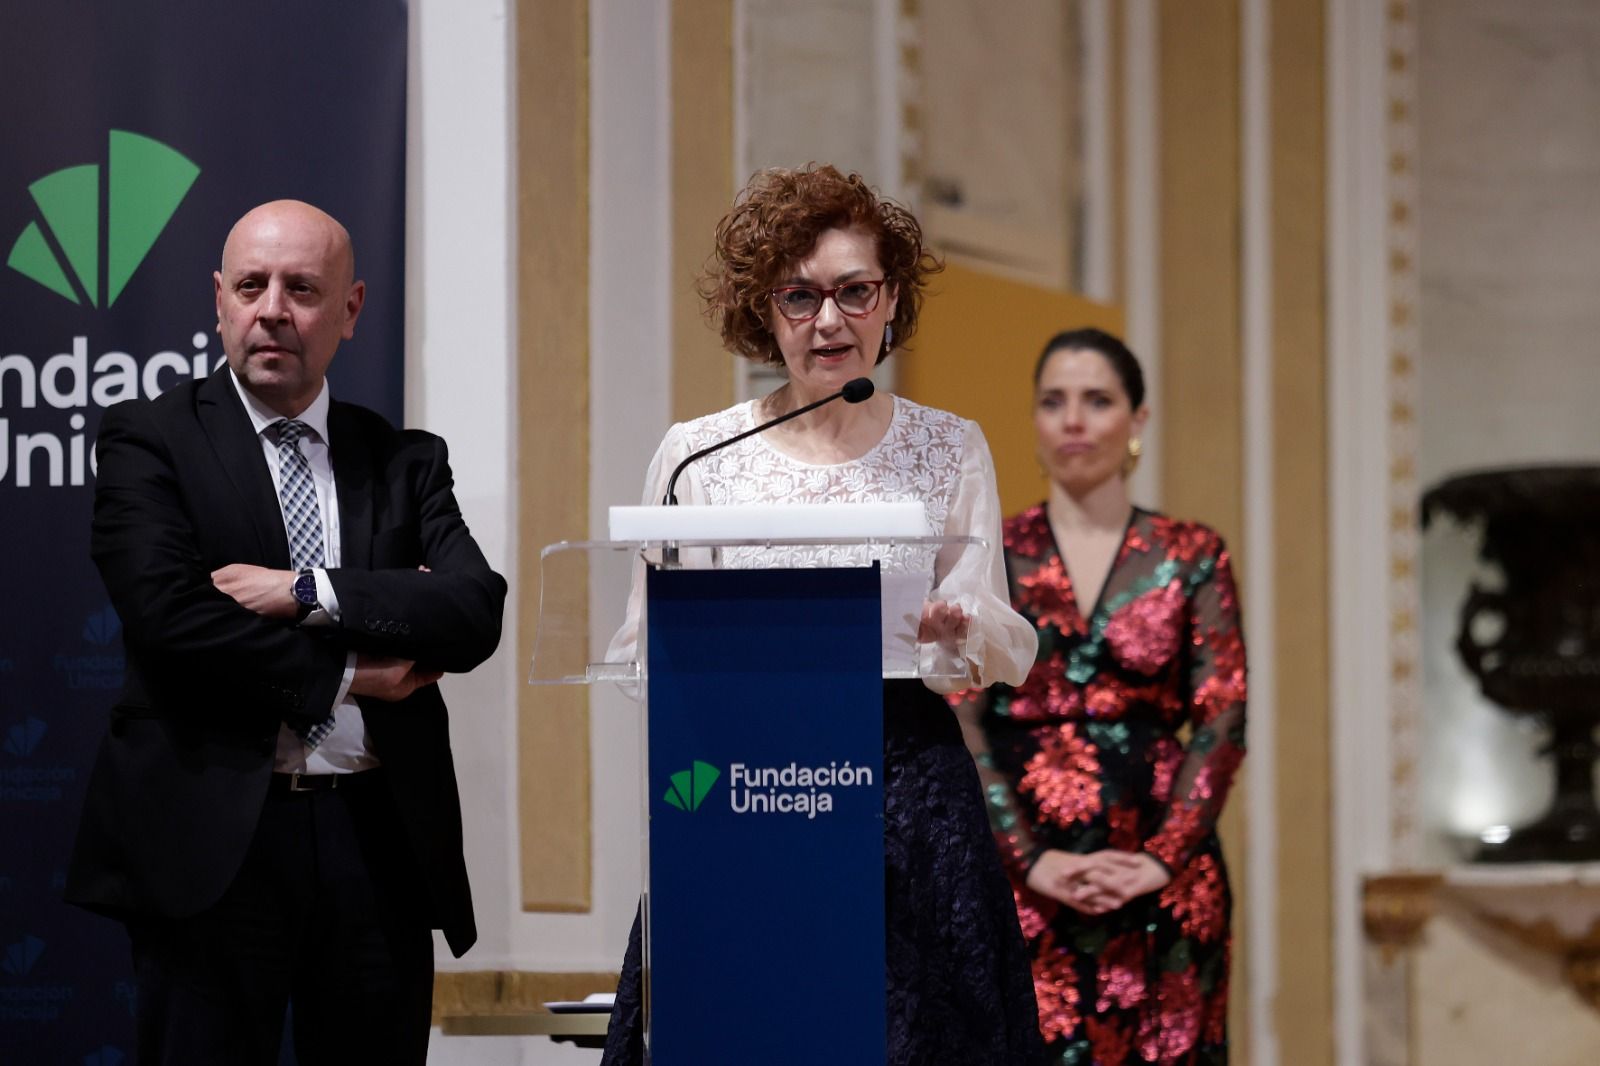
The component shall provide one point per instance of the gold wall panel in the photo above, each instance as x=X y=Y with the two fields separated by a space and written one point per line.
x=974 y=353
x=475 y=993
x=1303 y=786
x=552 y=187
x=1117 y=196
x=1200 y=403
x=702 y=192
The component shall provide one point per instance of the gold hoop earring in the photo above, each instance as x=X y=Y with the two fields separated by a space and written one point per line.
x=1135 y=452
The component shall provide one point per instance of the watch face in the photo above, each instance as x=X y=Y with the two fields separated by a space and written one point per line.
x=305 y=589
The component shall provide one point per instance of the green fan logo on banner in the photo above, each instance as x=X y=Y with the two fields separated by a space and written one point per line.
x=690 y=787
x=145 y=183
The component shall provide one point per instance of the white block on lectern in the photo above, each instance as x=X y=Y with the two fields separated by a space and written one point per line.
x=777 y=522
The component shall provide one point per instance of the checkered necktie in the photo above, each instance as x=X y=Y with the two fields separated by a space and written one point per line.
x=302 y=520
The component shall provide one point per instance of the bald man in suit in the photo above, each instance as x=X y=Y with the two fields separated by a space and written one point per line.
x=273 y=811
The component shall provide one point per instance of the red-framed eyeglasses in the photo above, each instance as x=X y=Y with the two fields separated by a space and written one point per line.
x=802 y=303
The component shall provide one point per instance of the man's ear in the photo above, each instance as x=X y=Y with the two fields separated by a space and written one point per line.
x=353 y=302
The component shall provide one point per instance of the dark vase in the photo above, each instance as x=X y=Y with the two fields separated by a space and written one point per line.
x=1541 y=527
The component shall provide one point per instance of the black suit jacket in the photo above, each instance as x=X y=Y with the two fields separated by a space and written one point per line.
x=181 y=776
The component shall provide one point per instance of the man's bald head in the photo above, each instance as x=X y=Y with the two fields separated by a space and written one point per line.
x=279 y=217
x=286 y=296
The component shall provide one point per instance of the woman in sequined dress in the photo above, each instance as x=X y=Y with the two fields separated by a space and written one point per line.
x=814 y=273
x=1106 y=770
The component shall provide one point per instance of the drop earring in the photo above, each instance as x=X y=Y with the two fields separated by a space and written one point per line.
x=1135 y=451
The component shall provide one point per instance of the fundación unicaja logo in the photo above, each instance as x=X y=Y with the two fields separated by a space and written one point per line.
x=23 y=737
x=29 y=999
x=100 y=665
x=19 y=957
x=27 y=778
x=102 y=627
x=144 y=182
x=690 y=787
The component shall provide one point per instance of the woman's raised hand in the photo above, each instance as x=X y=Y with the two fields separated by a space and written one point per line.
x=942 y=623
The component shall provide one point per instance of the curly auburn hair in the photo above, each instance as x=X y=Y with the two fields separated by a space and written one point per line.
x=776 y=222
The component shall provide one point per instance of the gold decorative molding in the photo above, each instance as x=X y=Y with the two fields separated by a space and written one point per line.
x=479 y=993
x=1117 y=198
x=1396 y=908
x=1579 y=953
x=1582 y=970
x=908 y=28
x=1404 y=291
x=1523 y=905
x=1541 y=934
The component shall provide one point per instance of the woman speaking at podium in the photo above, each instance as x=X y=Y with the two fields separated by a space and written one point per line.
x=815 y=273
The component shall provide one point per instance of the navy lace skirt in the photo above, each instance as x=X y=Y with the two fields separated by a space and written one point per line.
x=960 y=987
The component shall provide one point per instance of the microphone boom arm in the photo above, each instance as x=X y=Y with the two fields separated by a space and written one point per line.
x=854 y=392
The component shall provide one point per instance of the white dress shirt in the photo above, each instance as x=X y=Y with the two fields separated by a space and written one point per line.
x=345 y=750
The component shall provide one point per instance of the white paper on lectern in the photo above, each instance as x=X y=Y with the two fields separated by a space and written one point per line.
x=777 y=522
x=903 y=597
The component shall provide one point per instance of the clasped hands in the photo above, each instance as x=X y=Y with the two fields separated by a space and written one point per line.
x=1099 y=882
x=270 y=593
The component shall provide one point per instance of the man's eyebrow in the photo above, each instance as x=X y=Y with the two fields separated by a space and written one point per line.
x=242 y=273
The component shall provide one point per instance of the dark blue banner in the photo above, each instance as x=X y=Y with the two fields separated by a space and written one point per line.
x=132 y=136
x=766 y=893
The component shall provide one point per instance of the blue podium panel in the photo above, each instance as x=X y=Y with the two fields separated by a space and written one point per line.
x=765 y=920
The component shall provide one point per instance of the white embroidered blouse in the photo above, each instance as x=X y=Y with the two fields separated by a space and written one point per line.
x=928 y=455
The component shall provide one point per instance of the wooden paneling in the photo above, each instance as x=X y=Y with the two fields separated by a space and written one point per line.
x=476 y=993
x=1202 y=396
x=552 y=152
x=702 y=192
x=1300 y=531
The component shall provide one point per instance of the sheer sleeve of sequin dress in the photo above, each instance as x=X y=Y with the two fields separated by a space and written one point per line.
x=1216 y=704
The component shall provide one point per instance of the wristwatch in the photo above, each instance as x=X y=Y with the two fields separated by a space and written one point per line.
x=305 y=593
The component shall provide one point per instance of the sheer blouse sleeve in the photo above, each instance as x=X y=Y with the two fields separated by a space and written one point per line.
x=1216 y=702
x=1001 y=645
x=673 y=449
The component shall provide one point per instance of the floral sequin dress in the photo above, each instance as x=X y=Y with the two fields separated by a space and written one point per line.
x=958 y=991
x=1090 y=753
